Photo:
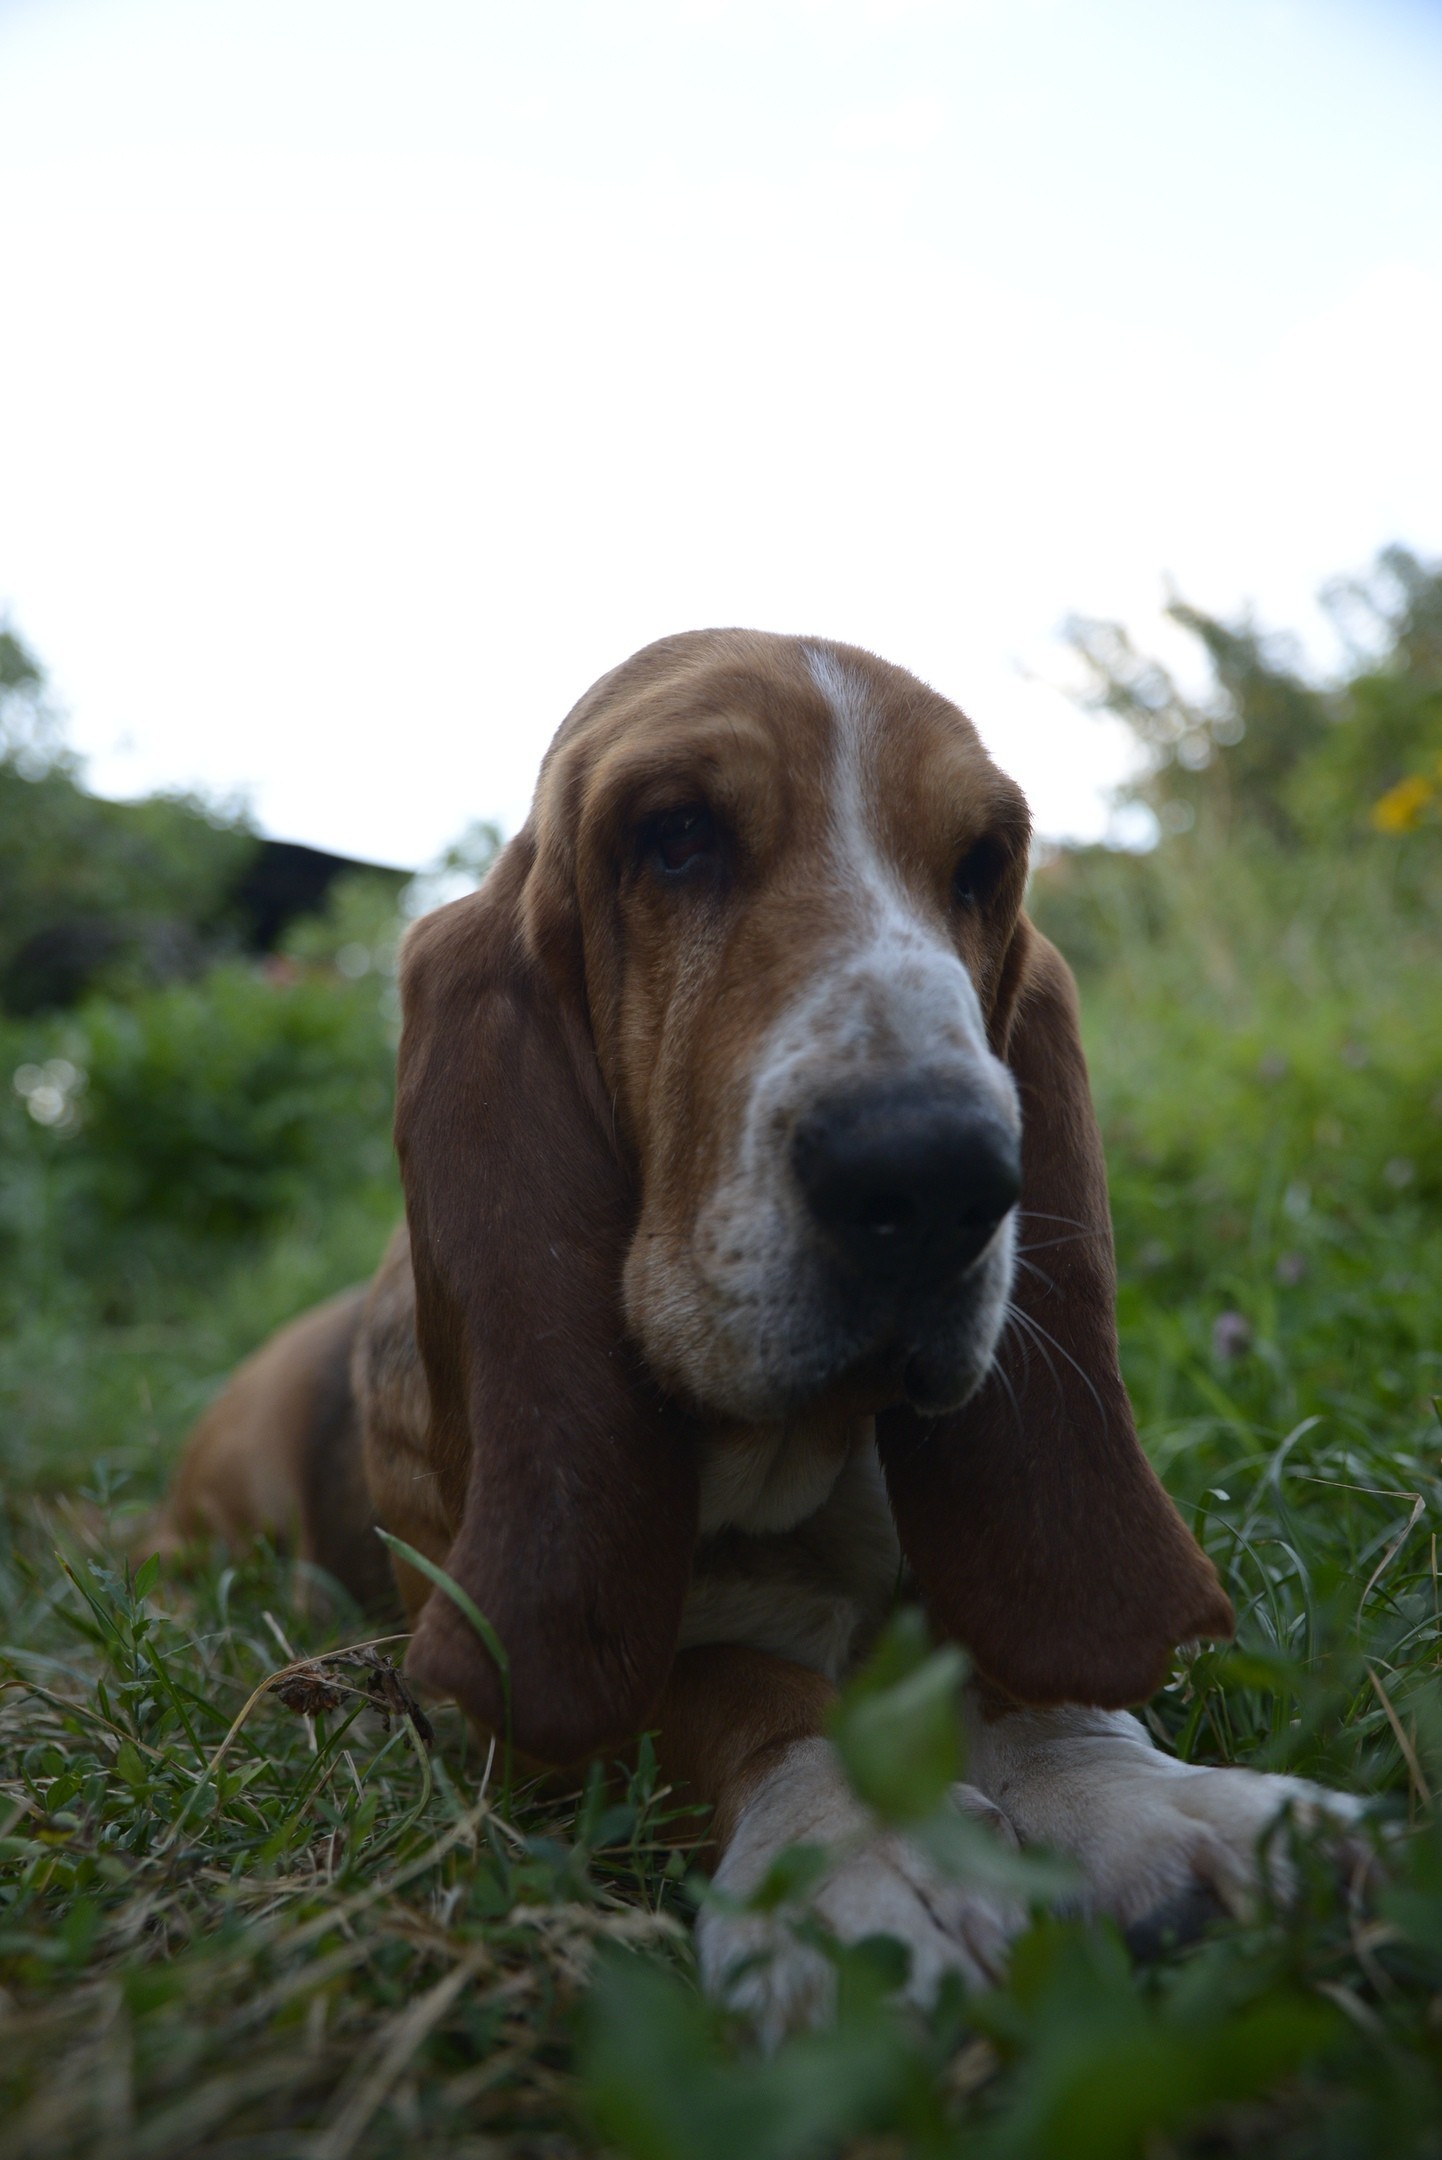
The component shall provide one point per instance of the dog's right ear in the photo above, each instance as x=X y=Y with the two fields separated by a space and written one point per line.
x=573 y=1478
x=1039 y=1532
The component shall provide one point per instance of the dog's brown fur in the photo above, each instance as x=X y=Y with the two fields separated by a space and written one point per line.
x=278 y=1454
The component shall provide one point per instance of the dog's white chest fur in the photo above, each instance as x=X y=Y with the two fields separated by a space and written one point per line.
x=798 y=1552
x=768 y=1478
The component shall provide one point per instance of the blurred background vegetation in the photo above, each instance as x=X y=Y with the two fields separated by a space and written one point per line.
x=197 y=1032
x=194 y=1143
x=1261 y=1001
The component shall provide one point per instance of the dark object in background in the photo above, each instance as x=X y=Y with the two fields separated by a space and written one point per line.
x=57 y=963
x=286 y=880
x=125 y=896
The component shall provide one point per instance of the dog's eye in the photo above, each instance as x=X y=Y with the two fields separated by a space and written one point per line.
x=979 y=873
x=682 y=837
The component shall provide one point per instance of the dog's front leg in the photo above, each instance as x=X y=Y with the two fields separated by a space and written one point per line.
x=744 y=1731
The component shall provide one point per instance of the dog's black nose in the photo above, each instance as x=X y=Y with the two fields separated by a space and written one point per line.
x=907 y=1178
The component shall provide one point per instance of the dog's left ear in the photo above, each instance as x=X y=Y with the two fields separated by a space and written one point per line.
x=1039 y=1533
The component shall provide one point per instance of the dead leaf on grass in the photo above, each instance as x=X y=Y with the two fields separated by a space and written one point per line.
x=310 y=1687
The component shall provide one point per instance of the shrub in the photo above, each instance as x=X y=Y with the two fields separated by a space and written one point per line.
x=210 y=1109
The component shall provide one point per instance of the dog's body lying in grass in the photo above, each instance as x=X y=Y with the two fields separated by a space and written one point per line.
x=730 y=1111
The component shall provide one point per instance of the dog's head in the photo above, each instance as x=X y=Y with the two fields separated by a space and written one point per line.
x=721 y=1102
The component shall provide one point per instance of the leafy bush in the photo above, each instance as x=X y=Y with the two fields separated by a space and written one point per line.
x=208 y=1109
x=179 y=1175
x=119 y=894
x=216 y=1109
x=1268 y=748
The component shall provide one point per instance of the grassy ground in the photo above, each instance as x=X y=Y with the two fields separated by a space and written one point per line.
x=244 y=1920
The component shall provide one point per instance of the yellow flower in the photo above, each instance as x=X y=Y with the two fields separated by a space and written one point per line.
x=1403 y=807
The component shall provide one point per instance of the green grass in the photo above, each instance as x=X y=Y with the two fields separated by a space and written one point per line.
x=226 y=1920
x=230 y=1927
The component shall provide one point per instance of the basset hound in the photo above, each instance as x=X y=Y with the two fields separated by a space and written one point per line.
x=727 y=1110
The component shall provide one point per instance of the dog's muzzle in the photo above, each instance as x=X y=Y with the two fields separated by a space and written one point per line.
x=906 y=1187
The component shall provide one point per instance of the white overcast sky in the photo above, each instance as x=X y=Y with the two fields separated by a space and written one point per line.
x=374 y=376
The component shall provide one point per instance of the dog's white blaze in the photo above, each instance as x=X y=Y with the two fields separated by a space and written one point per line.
x=898 y=993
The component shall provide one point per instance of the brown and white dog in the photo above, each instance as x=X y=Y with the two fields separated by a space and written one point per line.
x=726 y=1108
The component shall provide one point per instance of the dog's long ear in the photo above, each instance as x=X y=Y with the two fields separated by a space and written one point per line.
x=1040 y=1534
x=573 y=1480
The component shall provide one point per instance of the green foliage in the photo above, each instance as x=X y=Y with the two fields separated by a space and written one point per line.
x=1266 y=1045
x=358 y=930
x=120 y=893
x=102 y=1372
x=662 y=2084
x=29 y=735
x=897 y=1730
x=218 y=1108
x=1266 y=1048
x=183 y=1166
x=1111 y=2067
x=95 y=892
x=1269 y=749
x=201 y=1111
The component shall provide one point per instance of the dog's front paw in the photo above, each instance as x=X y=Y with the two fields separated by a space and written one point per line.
x=1204 y=1842
x=875 y=1883
x=1163 y=1846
